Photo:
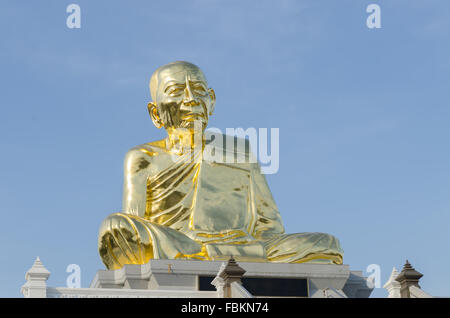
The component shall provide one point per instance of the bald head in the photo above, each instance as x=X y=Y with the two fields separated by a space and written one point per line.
x=168 y=72
x=180 y=96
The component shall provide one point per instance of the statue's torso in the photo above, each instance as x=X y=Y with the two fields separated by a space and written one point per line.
x=207 y=201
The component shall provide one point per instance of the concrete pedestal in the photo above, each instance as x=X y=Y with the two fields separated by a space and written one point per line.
x=323 y=281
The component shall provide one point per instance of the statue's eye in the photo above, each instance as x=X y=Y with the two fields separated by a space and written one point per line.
x=200 y=89
x=174 y=91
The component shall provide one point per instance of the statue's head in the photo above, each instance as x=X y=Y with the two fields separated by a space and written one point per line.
x=180 y=96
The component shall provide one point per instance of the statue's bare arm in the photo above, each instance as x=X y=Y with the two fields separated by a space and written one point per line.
x=136 y=172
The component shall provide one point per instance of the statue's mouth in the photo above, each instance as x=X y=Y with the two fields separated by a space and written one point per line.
x=193 y=117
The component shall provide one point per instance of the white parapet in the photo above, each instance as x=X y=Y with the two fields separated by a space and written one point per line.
x=182 y=279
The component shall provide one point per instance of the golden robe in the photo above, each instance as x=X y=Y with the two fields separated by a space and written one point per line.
x=178 y=208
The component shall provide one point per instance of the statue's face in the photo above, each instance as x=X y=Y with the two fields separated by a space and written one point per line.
x=182 y=96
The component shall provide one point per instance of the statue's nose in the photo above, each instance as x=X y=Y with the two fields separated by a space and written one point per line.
x=189 y=97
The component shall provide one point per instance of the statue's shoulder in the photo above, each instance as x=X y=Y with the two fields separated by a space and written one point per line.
x=147 y=151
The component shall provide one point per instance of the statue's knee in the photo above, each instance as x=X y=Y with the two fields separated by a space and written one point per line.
x=117 y=224
x=123 y=240
x=330 y=240
x=324 y=236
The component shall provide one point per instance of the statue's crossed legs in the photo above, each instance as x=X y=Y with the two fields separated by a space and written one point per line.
x=129 y=239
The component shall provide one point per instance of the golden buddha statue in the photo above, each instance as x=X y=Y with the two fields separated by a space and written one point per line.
x=179 y=204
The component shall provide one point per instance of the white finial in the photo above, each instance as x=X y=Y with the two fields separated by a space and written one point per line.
x=37 y=271
x=36 y=277
x=393 y=286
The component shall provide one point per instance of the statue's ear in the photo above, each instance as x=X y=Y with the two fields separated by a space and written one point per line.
x=212 y=95
x=154 y=115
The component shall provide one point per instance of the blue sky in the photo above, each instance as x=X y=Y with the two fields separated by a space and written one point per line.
x=364 y=119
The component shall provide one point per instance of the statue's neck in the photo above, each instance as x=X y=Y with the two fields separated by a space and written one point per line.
x=180 y=140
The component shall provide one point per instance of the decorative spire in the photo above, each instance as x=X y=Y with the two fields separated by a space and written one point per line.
x=408 y=277
x=36 y=277
x=232 y=270
x=37 y=270
x=228 y=274
x=409 y=273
